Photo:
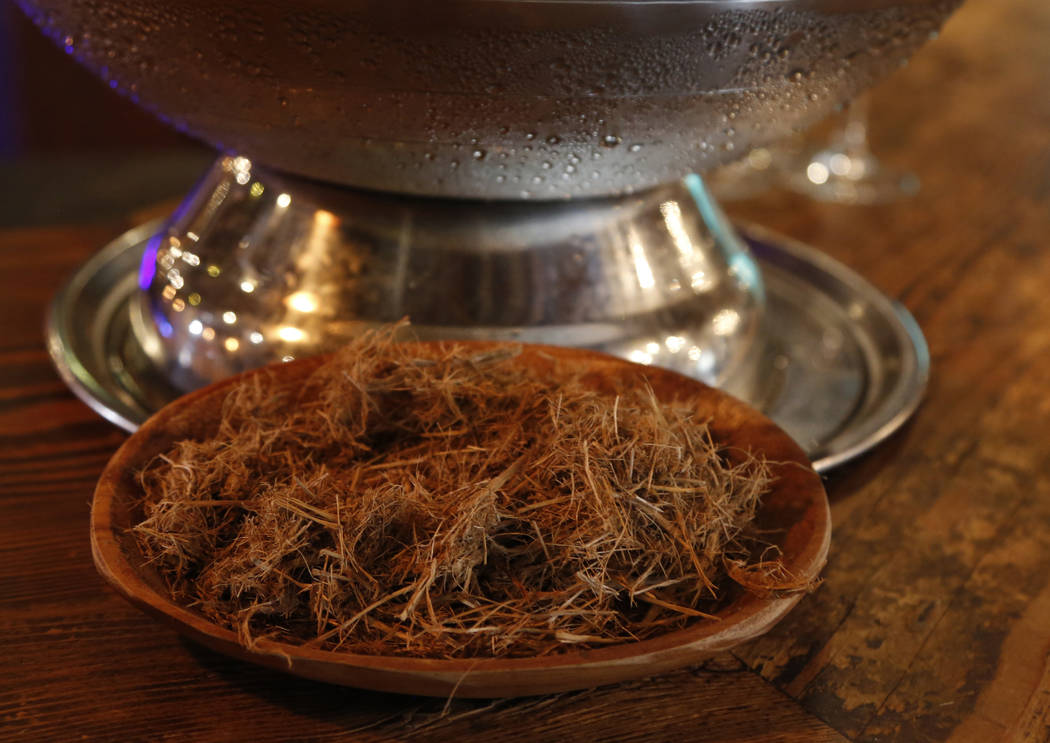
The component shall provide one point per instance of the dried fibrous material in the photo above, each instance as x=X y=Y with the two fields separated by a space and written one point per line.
x=445 y=502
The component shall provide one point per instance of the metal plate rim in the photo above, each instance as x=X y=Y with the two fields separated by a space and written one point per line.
x=898 y=403
x=906 y=397
x=81 y=382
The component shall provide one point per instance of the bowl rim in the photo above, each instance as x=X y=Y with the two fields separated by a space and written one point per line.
x=744 y=617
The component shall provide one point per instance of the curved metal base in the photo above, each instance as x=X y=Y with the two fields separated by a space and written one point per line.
x=843 y=366
x=256 y=266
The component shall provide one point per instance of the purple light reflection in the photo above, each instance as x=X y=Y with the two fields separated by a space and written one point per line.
x=148 y=267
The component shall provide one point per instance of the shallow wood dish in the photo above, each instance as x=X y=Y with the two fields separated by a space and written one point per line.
x=796 y=512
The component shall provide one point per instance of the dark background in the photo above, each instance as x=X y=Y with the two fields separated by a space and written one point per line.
x=72 y=150
x=49 y=104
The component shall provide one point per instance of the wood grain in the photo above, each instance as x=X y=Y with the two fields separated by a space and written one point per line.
x=917 y=636
x=934 y=620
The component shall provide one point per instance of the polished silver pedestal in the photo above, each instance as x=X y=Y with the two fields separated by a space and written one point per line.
x=257 y=266
x=448 y=187
x=840 y=366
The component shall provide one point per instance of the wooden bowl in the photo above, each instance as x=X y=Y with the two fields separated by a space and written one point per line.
x=796 y=510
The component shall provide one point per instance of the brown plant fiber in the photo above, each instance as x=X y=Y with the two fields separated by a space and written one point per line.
x=448 y=503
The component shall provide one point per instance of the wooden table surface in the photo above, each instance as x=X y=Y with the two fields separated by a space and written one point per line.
x=934 y=619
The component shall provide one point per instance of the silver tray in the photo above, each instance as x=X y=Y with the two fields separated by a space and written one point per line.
x=843 y=366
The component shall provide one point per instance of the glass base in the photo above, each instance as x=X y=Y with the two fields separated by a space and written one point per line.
x=844 y=177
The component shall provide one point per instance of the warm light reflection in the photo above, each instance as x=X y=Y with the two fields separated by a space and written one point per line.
x=229 y=317
x=247 y=286
x=255 y=337
x=284 y=200
x=759 y=158
x=691 y=256
x=652 y=348
x=674 y=343
x=214 y=271
x=257 y=189
x=169 y=292
x=840 y=163
x=642 y=269
x=178 y=305
x=232 y=344
x=195 y=327
x=302 y=301
x=175 y=278
x=700 y=281
x=194 y=299
x=725 y=322
x=672 y=215
x=640 y=357
x=290 y=334
x=817 y=173
x=208 y=334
